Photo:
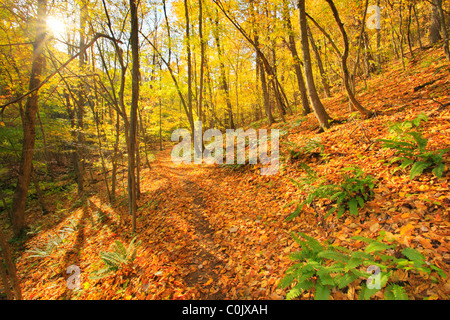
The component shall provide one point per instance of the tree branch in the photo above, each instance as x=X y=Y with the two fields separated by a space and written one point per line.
x=64 y=65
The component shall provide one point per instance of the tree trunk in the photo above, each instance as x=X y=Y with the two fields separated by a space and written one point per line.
x=260 y=68
x=434 y=34
x=134 y=40
x=115 y=160
x=402 y=36
x=189 y=65
x=323 y=76
x=202 y=59
x=379 y=44
x=29 y=132
x=100 y=151
x=223 y=78
x=273 y=78
x=8 y=270
x=317 y=106
x=408 y=30
x=419 y=29
x=39 y=194
x=345 y=71
x=265 y=90
x=80 y=104
x=443 y=28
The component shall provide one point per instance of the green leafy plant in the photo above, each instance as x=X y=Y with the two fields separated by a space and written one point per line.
x=298 y=122
x=34 y=229
x=411 y=149
x=322 y=268
x=117 y=257
x=52 y=243
x=310 y=147
x=352 y=193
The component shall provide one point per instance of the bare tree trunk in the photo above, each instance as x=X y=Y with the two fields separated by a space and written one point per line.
x=144 y=138
x=223 y=77
x=323 y=76
x=39 y=194
x=44 y=141
x=443 y=24
x=138 y=160
x=345 y=71
x=379 y=44
x=132 y=184
x=8 y=270
x=434 y=34
x=202 y=58
x=29 y=131
x=260 y=67
x=419 y=29
x=408 y=30
x=275 y=85
x=189 y=65
x=115 y=160
x=80 y=104
x=402 y=36
x=317 y=106
x=100 y=151
x=33 y=173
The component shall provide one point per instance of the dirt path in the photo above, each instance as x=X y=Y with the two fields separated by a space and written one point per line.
x=209 y=228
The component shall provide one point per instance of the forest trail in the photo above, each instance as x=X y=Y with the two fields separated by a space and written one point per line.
x=203 y=260
x=212 y=224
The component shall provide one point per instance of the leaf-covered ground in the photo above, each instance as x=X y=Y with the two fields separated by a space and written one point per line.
x=209 y=232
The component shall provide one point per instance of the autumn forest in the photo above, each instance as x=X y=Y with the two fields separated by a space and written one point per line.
x=327 y=124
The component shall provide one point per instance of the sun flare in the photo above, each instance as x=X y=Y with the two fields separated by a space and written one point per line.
x=56 y=26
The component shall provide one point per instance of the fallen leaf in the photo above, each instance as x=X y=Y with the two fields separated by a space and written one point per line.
x=374 y=227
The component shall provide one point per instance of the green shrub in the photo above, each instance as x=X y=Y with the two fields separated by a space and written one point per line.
x=52 y=243
x=119 y=256
x=351 y=194
x=411 y=149
x=310 y=147
x=322 y=268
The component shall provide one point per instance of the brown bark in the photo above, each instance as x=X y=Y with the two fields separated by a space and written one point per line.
x=323 y=76
x=80 y=104
x=438 y=4
x=202 y=59
x=344 y=66
x=8 y=270
x=434 y=34
x=189 y=69
x=319 y=111
x=132 y=184
x=260 y=70
x=223 y=78
x=29 y=131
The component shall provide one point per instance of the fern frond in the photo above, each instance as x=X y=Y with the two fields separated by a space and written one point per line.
x=395 y=292
x=334 y=255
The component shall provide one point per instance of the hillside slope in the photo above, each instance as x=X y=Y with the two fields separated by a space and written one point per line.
x=210 y=232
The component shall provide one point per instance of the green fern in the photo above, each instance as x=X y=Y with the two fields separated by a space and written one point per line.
x=312 y=269
x=411 y=149
x=395 y=292
x=119 y=256
x=309 y=148
x=351 y=194
x=52 y=243
x=325 y=268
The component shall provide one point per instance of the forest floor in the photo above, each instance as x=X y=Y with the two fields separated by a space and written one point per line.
x=210 y=232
